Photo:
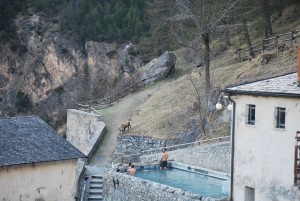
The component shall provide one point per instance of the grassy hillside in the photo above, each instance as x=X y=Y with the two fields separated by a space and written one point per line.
x=170 y=109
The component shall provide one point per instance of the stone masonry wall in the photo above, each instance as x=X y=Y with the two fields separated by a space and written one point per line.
x=128 y=144
x=131 y=188
x=214 y=156
x=84 y=130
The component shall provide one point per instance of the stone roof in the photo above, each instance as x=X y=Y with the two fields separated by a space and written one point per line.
x=281 y=86
x=25 y=140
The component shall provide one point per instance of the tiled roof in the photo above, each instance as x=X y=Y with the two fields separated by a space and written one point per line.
x=282 y=86
x=30 y=140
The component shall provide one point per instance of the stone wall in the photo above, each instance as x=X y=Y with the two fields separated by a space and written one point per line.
x=214 y=156
x=131 y=188
x=84 y=130
x=128 y=144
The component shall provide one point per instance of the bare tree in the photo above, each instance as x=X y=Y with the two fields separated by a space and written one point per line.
x=200 y=20
x=266 y=16
x=245 y=9
x=199 y=106
x=247 y=38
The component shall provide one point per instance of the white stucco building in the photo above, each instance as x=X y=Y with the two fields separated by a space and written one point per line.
x=35 y=162
x=266 y=119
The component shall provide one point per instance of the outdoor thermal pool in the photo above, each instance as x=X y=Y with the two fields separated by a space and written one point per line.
x=189 y=181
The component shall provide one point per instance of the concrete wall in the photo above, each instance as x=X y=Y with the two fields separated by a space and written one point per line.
x=50 y=181
x=264 y=155
x=131 y=188
x=84 y=130
x=214 y=156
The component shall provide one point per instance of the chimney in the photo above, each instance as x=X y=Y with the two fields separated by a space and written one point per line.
x=298 y=66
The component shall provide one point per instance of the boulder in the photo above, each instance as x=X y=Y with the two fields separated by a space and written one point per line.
x=158 y=68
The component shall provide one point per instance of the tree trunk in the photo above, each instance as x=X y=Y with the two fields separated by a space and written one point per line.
x=280 y=8
x=247 y=38
x=205 y=37
x=266 y=15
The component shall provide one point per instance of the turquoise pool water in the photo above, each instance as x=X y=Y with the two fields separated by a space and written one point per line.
x=189 y=181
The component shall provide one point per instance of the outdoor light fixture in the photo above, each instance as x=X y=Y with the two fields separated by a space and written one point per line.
x=230 y=107
x=219 y=105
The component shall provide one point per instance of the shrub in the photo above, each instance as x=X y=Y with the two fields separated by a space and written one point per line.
x=111 y=54
x=64 y=51
x=22 y=102
x=132 y=51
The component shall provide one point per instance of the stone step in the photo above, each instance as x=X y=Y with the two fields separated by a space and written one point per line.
x=96 y=186
x=97 y=176
x=96 y=197
x=96 y=180
x=96 y=191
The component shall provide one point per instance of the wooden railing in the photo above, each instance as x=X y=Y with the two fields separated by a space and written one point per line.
x=107 y=101
x=269 y=44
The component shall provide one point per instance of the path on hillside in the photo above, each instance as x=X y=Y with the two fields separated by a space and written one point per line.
x=119 y=113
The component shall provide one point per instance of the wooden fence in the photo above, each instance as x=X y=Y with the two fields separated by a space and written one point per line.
x=269 y=44
x=107 y=101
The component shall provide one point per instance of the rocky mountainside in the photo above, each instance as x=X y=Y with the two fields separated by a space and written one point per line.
x=46 y=73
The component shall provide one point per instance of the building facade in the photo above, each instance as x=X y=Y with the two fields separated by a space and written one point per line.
x=35 y=162
x=264 y=150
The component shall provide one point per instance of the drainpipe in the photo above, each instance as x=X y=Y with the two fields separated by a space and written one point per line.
x=232 y=147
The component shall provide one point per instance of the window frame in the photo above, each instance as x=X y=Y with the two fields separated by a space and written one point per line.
x=251 y=114
x=280 y=115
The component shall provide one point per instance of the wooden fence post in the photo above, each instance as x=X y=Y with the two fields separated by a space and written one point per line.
x=276 y=43
x=263 y=45
x=292 y=38
x=240 y=58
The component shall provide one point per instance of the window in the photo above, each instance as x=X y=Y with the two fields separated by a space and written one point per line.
x=249 y=194
x=251 y=115
x=280 y=117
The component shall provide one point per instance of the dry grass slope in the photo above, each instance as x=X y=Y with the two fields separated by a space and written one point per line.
x=169 y=109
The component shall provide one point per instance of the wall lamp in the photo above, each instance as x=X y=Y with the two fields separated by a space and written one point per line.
x=223 y=99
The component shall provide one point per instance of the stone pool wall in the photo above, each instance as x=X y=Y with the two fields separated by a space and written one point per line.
x=131 y=188
x=213 y=156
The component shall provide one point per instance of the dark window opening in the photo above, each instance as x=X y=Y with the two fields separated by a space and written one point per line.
x=251 y=115
x=249 y=194
x=280 y=117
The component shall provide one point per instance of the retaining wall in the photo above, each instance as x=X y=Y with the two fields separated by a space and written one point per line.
x=128 y=144
x=213 y=156
x=131 y=188
x=84 y=130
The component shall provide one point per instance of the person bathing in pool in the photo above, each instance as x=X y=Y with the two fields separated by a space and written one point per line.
x=164 y=159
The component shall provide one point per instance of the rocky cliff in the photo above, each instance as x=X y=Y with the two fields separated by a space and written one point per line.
x=43 y=72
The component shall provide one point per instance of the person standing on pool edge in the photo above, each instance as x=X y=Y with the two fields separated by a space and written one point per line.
x=164 y=159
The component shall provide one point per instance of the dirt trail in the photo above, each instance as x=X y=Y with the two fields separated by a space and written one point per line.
x=113 y=117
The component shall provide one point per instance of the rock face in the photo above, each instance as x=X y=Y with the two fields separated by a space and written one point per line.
x=43 y=72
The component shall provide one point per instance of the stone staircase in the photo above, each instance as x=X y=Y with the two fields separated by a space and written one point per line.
x=95 y=188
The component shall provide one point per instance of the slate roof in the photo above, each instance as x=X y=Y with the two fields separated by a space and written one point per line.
x=281 y=86
x=26 y=140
